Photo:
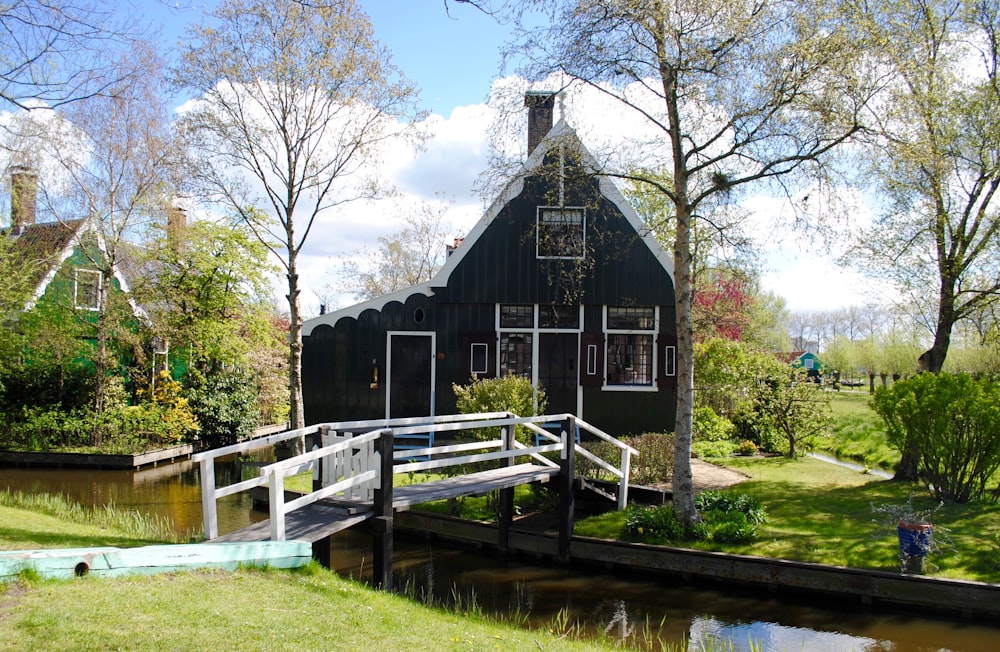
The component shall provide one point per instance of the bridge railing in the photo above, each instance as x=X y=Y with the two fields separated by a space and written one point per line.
x=346 y=463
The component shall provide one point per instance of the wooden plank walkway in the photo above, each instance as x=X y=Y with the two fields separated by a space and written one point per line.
x=319 y=520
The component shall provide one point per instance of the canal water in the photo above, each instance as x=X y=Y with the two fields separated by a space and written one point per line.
x=615 y=603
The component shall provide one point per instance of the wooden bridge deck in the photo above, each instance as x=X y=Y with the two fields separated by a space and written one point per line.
x=322 y=519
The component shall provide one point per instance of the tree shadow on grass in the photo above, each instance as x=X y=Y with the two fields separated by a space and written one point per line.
x=25 y=539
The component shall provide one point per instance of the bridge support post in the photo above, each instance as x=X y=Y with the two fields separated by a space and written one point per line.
x=506 y=498
x=567 y=480
x=382 y=523
x=321 y=551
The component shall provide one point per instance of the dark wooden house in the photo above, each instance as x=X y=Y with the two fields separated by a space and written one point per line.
x=558 y=282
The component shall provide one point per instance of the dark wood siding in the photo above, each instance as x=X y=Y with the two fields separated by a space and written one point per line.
x=502 y=267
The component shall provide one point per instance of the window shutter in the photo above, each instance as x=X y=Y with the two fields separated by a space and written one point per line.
x=591 y=359
x=479 y=355
x=666 y=368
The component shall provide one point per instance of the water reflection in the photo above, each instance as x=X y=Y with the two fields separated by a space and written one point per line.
x=171 y=491
x=672 y=612
x=617 y=603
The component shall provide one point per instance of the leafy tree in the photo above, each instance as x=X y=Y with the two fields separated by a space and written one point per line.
x=952 y=423
x=204 y=290
x=293 y=100
x=731 y=89
x=840 y=357
x=787 y=403
x=938 y=160
x=116 y=160
x=770 y=403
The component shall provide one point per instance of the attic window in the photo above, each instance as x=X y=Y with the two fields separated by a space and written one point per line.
x=87 y=289
x=561 y=233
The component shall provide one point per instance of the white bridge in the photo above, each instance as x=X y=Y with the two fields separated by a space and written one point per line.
x=355 y=465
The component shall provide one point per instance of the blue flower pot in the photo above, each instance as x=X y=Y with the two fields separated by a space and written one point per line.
x=914 y=538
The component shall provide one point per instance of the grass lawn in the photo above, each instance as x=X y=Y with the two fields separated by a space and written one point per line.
x=250 y=609
x=310 y=609
x=858 y=433
x=819 y=512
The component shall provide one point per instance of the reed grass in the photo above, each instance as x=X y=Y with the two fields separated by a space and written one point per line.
x=126 y=522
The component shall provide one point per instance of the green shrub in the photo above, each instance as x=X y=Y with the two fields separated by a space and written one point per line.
x=952 y=424
x=225 y=403
x=655 y=462
x=653 y=524
x=505 y=394
x=745 y=504
x=732 y=528
x=746 y=447
x=708 y=449
x=709 y=426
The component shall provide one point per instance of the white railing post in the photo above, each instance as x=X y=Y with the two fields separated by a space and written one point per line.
x=626 y=469
x=209 y=516
x=276 y=494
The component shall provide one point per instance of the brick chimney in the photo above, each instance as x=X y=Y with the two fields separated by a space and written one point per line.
x=540 y=106
x=176 y=223
x=23 y=196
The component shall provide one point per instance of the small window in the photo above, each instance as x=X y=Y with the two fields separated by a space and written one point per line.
x=515 y=354
x=87 y=289
x=479 y=356
x=513 y=316
x=631 y=318
x=561 y=233
x=559 y=317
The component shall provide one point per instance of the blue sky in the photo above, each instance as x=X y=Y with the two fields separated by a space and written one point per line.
x=453 y=56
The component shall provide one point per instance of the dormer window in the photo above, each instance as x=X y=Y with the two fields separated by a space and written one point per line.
x=87 y=289
x=561 y=233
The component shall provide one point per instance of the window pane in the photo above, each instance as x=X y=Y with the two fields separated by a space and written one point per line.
x=88 y=289
x=515 y=354
x=480 y=363
x=630 y=318
x=560 y=233
x=630 y=359
x=517 y=316
x=559 y=316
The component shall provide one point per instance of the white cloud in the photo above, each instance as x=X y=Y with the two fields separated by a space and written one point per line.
x=457 y=151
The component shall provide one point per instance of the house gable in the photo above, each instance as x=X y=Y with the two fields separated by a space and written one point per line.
x=588 y=313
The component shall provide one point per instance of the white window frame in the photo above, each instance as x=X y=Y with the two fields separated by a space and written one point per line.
x=651 y=332
x=545 y=210
x=473 y=347
x=98 y=286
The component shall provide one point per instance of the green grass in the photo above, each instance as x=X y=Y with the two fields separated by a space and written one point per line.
x=311 y=609
x=822 y=513
x=47 y=521
x=858 y=433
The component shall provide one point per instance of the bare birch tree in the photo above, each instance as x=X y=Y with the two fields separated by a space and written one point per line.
x=739 y=93
x=53 y=52
x=293 y=101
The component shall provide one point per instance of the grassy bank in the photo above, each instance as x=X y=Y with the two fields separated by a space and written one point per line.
x=46 y=521
x=250 y=609
x=245 y=610
x=822 y=513
x=857 y=433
